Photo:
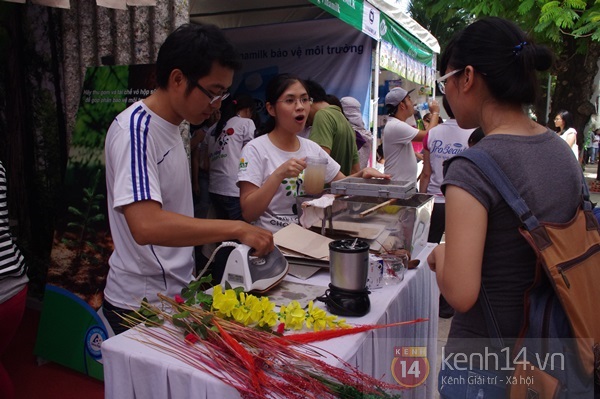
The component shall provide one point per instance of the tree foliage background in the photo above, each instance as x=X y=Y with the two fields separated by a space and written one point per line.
x=571 y=28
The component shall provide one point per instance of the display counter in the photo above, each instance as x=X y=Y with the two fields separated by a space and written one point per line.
x=135 y=370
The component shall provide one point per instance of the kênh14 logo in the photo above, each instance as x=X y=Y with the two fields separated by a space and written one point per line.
x=501 y=360
x=410 y=367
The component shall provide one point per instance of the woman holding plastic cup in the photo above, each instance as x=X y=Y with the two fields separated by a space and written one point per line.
x=273 y=169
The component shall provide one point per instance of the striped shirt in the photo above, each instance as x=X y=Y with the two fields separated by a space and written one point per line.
x=12 y=263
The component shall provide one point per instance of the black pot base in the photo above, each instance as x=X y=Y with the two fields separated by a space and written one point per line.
x=347 y=303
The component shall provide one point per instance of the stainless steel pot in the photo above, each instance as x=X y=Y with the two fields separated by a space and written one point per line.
x=349 y=264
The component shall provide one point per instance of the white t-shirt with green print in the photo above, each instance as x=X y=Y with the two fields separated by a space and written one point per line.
x=259 y=160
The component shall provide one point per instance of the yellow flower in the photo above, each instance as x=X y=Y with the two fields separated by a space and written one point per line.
x=320 y=320
x=294 y=315
x=224 y=302
x=316 y=318
x=254 y=308
x=269 y=319
x=251 y=310
x=343 y=324
x=331 y=321
x=266 y=305
x=241 y=315
x=320 y=325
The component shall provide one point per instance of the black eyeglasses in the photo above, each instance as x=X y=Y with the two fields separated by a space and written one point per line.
x=213 y=98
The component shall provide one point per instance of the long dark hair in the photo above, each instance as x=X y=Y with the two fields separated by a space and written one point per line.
x=567 y=118
x=506 y=57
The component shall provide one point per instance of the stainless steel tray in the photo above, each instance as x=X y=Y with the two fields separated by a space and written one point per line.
x=379 y=188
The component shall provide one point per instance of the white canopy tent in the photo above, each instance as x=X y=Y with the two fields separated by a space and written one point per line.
x=239 y=13
x=403 y=46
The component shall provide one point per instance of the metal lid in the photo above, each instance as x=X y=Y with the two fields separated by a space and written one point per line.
x=349 y=245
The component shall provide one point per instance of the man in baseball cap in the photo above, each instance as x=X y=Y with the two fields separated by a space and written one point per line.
x=400 y=159
x=396 y=96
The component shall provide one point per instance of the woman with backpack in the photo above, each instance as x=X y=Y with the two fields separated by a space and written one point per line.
x=489 y=75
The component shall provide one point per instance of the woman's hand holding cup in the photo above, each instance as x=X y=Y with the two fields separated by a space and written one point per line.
x=291 y=168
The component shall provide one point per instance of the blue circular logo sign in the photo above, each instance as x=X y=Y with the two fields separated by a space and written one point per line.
x=93 y=341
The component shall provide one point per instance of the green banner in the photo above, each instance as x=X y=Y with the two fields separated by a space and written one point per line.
x=394 y=33
x=350 y=11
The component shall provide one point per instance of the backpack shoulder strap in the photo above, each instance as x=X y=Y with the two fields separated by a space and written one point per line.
x=495 y=175
x=585 y=192
x=490 y=168
x=498 y=178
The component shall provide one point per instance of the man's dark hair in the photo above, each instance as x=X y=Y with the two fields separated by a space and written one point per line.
x=447 y=107
x=193 y=48
x=333 y=100
x=475 y=136
x=315 y=90
x=391 y=109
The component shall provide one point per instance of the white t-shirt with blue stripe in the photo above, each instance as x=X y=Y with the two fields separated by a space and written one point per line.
x=145 y=160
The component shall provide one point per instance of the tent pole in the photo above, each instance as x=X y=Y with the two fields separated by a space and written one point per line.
x=375 y=105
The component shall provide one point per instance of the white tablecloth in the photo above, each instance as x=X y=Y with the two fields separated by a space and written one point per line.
x=135 y=370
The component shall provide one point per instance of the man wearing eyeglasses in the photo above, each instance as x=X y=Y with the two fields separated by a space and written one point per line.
x=400 y=159
x=148 y=180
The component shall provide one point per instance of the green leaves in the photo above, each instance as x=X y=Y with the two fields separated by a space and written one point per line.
x=179 y=319
x=194 y=294
x=489 y=8
x=150 y=317
x=526 y=6
x=592 y=16
x=201 y=328
x=551 y=20
x=564 y=18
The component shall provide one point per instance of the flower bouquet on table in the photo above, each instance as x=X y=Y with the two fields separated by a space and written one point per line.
x=241 y=339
